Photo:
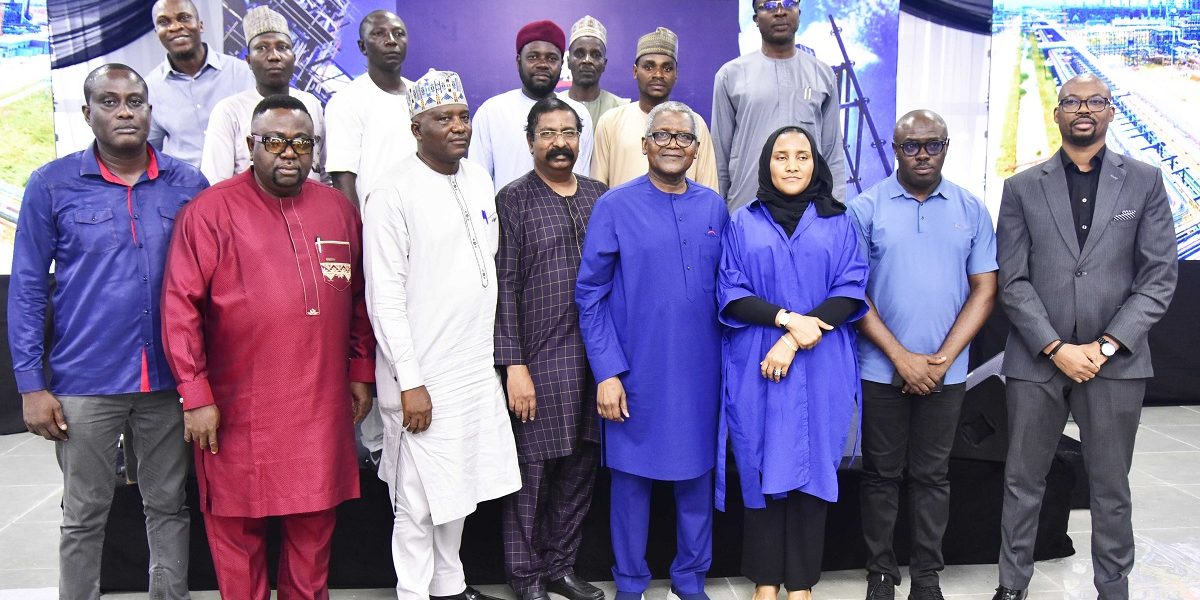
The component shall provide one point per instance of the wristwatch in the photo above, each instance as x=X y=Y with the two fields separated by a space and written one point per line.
x=784 y=319
x=1107 y=348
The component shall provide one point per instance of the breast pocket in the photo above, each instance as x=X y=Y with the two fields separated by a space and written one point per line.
x=710 y=258
x=166 y=216
x=334 y=256
x=95 y=230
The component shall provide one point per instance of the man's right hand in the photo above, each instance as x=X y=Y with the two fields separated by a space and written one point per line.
x=1073 y=361
x=43 y=415
x=522 y=399
x=610 y=400
x=915 y=369
x=200 y=426
x=418 y=409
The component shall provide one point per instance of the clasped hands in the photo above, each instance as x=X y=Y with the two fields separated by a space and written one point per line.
x=1080 y=362
x=803 y=333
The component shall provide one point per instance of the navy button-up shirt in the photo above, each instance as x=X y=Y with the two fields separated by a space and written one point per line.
x=108 y=242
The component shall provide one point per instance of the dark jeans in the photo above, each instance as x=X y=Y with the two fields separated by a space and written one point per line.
x=784 y=542
x=907 y=434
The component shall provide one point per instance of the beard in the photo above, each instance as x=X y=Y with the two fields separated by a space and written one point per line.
x=1083 y=139
x=541 y=90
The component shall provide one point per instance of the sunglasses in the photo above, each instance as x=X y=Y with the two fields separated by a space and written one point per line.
x=774 y=5
x=276 y=145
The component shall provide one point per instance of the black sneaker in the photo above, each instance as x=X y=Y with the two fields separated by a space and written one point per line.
x=927 y=592
x=880 y=587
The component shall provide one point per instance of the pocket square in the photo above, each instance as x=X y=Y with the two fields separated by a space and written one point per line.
x=1126 y=215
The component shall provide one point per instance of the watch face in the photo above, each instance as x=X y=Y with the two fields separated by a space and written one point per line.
x=1108 y=349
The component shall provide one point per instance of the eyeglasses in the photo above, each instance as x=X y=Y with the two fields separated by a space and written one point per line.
x=1094 y=104
x=549 y=135
x=774 y=5
x=933 y=147
x=663 y=138
x=276 y=145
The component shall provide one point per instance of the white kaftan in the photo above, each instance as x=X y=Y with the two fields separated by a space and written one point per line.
x=225 y=151
x=498 y=141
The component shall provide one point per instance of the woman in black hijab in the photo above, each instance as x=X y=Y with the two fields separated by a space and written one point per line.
x=792 y=280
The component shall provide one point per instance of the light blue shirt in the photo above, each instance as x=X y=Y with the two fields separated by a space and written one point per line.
x=182 y=103
x=919 y=255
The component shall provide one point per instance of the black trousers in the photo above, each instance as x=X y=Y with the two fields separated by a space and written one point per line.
x=914 y=434
x=783 y=543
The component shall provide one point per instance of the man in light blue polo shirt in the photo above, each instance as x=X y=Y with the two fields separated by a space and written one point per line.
x=932 y=256
x=186 y=86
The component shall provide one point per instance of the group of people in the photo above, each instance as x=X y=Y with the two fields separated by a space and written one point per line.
x=508 y=296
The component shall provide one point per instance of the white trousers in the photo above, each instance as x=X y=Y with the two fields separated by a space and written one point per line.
x=425 y=555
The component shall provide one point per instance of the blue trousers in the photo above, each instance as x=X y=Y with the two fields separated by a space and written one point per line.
x=630 y=520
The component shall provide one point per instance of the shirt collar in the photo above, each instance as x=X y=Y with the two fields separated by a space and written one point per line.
x=896 y=190
x=211 y=59
x=1096 y=161
x=91 y=165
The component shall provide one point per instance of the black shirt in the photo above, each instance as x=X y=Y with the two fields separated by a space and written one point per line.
x=1081 y=187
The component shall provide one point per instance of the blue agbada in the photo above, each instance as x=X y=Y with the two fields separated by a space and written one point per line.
x=789 y=435
x=648 y=311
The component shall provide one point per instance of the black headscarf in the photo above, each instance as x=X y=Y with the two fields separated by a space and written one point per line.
x=787 y=210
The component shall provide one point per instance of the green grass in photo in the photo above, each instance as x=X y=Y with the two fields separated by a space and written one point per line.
x=28 y=126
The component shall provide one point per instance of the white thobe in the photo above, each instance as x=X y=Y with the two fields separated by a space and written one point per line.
x=225 y=151
x=430 y=243
x=368 y=132
x=498 y=141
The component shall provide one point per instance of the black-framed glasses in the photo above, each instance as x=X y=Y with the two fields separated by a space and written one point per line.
x=1072 y=104
x=276 y=145
x=549 y=135
x=933 y=147
x=663 y=138
x=774 y=5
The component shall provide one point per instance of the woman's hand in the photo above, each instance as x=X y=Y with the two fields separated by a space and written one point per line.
x=779 y=359
x=806 y=330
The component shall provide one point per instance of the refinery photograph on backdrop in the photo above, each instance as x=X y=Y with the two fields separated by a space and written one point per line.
x=1147 y=52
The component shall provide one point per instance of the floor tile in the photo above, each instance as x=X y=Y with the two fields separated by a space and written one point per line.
x=1163 y=507
x=48 y=510
x=1139 y=478
x=22 y=593
x=1170 y=415
x=1150 y=440
x=35 y=446
x=1172 y=467
x=19 y=500
x=29 y=546
x=12 y=440
x=1080 y=521
x=24 y=470
x=1188 y=434
x=1193 y=489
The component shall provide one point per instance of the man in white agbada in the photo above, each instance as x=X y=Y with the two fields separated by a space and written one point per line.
x=367 y=121
x=430 y=239
x=272 y=61
x=498 y=143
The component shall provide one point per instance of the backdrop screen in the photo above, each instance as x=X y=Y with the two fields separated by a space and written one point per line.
x=1149 y=55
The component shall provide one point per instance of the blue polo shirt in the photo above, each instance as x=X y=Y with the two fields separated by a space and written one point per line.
x=108 y=242
x=919 y=255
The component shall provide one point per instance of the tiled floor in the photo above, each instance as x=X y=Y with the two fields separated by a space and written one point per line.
x=1166 y=518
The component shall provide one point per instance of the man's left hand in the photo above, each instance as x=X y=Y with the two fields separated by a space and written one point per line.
x=1094 y=354
x=360 y=400
x=938 y=365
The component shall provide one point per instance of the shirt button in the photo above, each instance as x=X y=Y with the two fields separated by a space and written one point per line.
x=140 y=244
x=689 y=268
x=1085 y=200
x=135 y=216
x=681 y=219
x=1080 y=273
x=1083 y=227
x=146 y=312
x=684 y=242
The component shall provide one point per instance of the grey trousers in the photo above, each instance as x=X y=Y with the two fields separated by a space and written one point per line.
x=1107 y=412
x=89 y=479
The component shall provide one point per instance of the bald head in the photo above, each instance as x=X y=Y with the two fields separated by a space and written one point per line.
x=111 y=71
x=1084 y=86
x=919 y=119
x=374 y=19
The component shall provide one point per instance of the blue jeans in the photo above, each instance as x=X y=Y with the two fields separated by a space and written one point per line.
x=89 y=479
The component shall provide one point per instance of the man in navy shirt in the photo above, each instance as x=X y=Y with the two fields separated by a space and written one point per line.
x=931 y=255
x=104 y=216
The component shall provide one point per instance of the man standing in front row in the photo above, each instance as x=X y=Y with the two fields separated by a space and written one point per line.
x=104 y=216
x=498 y=142
x=648 y=312
x=273 y=61
x=543 y=216
x=618 y=157
x=430 y=246
x=932 y=257
x=266 y=329
x=1087 y=265
x=762 y=91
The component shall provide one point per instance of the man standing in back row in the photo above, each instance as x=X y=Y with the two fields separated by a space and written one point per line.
x=587 y=57
x=498 y=126
x=1087 y=265
x=762 y=91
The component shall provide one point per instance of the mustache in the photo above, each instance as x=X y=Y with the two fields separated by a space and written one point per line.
x=557 y=152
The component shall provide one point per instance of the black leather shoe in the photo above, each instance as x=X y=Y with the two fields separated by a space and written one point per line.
x=1003 y=593
x=538 y=594
x=926 y=592
x=880 y=587
x=468 y=594
x=574 y=588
